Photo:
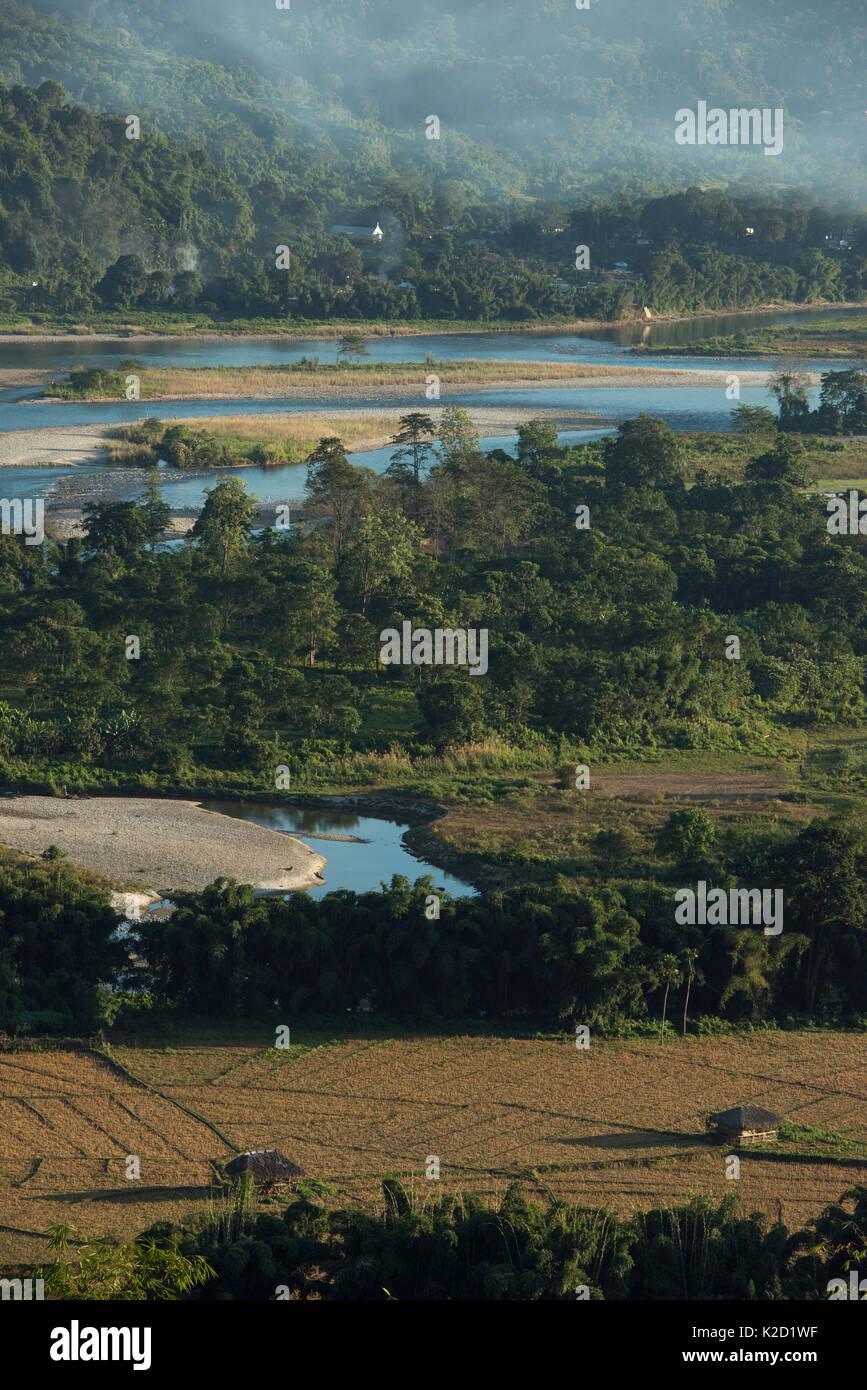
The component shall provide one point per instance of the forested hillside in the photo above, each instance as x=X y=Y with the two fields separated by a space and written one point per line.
x=91 y=220
x=334 y=95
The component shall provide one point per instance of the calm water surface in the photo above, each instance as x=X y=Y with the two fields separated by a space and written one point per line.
x=684 y=408
x=359 y=867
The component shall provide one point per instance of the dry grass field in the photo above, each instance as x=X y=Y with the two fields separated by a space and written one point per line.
x=621 y=1122
x=68 y=1121
x=294 y=379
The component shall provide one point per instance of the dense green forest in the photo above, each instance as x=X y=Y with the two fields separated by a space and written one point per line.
x=258 y=646
x=94 y=223
x=457 y=1248
x=598 y=945
x=261 y=650
x=334 y=97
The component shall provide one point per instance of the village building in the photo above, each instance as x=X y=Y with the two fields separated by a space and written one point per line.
x=270 y=1168
x=744 y=1124
x=359 y=233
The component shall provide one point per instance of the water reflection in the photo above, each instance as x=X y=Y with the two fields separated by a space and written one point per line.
x=362 y=864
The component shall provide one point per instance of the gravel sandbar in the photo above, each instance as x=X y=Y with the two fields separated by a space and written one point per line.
x=165 y=844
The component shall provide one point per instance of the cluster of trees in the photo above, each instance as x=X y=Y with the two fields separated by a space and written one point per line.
x=598 y=955
x=606 y=954
x=459 y=1249
x=720 y=217
x=456 y=1248
x=58 y=945
x=842 y=407
x=92 y=220
x=686 y=279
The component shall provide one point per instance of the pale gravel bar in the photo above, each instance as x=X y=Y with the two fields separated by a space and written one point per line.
x=162 y=844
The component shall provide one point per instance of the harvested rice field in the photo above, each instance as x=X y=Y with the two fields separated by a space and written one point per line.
x=620 y=1122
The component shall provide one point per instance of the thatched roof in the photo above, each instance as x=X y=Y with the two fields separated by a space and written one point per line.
x=266 y=1165
x=745 y=1117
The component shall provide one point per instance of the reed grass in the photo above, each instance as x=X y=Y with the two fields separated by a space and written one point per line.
x=280 y=379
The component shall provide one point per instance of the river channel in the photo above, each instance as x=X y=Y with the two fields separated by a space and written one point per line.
x=683 y=407
x=361 y=863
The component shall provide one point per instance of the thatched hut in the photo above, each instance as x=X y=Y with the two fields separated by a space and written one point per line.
x=270 y=1168
x=744 y=1124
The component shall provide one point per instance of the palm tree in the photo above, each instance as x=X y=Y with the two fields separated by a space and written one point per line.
x=671 y=975
x=689 y=958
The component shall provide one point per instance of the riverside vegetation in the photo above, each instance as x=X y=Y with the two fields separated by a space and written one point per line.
x=616 y=580
x=261 y=651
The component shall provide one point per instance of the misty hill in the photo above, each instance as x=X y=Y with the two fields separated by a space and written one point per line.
x=334 y=95
x=91 y=220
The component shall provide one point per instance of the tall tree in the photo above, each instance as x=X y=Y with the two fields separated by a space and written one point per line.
x=223 y=524
x=336 y=488
x=459 y=438
x=412 y=439
x=352 y=345
x=671 y=975
x=689 y=956
x=154 y=511
x=645 y=453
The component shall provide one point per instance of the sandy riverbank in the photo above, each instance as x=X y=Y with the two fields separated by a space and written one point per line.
x=63 y=445
x=165 y=845
x=19 y=378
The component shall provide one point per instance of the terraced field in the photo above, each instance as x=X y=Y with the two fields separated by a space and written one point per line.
x=622 y=1122
x=68 y=1122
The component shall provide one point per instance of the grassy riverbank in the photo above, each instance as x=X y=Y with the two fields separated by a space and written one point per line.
x=282 y=438
x=327 y=379
x=822 y=338
x=160 y=324
x=192 y=325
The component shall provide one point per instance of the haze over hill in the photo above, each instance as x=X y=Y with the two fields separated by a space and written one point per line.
x=334 y=94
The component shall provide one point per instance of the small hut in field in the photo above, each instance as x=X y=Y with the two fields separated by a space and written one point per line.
x=270 y=1169
x=744 y=1124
